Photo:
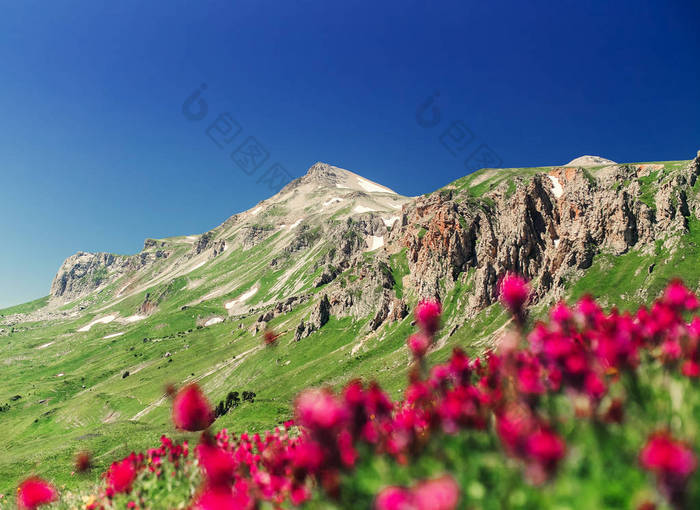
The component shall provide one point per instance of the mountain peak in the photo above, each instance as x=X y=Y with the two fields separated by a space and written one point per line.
x=331 y=176
x=323 y=173
x=590 y=161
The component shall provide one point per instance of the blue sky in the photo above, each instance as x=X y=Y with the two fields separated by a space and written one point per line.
x=95 y=154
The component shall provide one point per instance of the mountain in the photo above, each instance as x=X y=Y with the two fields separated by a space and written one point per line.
x=333 y=263
x=585 y=161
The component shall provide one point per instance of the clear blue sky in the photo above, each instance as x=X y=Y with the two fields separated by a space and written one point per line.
x=96 y=155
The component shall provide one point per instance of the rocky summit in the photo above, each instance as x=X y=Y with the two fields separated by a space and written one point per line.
x=334 y=264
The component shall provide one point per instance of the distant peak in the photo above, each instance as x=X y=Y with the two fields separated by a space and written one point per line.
x=331 y=176
x=590 y=161
x=325 y=173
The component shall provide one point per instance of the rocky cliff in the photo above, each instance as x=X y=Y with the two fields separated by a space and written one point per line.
x=355 y=248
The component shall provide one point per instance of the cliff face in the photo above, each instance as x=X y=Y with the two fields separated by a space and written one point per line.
x=340 y=241
x=547 y=228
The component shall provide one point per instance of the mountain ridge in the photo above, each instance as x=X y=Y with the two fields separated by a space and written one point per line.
x=334 y=271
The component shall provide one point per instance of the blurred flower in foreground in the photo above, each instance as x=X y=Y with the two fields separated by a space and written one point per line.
x=428 y=316
x=34 y=492
x=438 y=494
x=191 y=409
x=514 y=292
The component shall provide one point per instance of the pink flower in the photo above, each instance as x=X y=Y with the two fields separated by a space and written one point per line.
x=663 y=455
x=308 y=456
x=545 y=448
x=191 y=409
x=224 y=498
x=439 y=494
x=418 y=343
x=677 y=296
x=514 y=293
x=34 y=492
x=218 y=465
x=427 y=315
x=320 y=409
x=691 y=368
x=121 y=476
x=394 y=498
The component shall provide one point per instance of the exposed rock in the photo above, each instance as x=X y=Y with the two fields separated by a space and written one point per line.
x=583 y=161
x=319 y=316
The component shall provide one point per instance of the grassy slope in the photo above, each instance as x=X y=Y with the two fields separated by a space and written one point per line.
x=92 y=405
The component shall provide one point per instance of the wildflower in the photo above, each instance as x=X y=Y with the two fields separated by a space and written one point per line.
x=218 y=464
x=191 y=409
x=224 y=498
x=270 y=337
x=121 y=476
x=672 y=462
x=83 y=462
x=34 y=492
x=678 y=297
x=308 y=456
x=439 y=494
x=666 y=456
x=418 y=343
x=427 y=315
x=319 y=409
x=546 y=449
x=514 y=293
x=394 y=498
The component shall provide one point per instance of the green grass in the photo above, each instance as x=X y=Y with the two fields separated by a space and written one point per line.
x=26 y=307
x=91 y=406
x=399 y=269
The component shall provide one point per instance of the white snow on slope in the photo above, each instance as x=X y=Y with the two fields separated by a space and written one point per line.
x=44 y=346
x=372 y=187
x=390 y=221
x=295 y=224
x=557 y=189
x=374 y=242
x=240 y=299
x=362 y=209
x=134 y=318
x=113 y=335
x=213 y=320
x=101 y=320
x=331 y=201
x=256 y=210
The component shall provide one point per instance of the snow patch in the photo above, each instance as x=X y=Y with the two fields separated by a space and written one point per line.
x=113 y=335
x=256 y=210
x=135 y=318
x=60 y=375
x=197 y=266
x=557 y=189
x=295 y=224
x=101 y=320
x=240 y=299
x=213 y=320
x=556 y=243
x=362 y=209
x=372 y=187
x=341 y=186
x=388 y=222
x=374 y=243
x=44 y=346
x=331 y=201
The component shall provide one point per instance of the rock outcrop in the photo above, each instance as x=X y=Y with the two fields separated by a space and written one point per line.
x=320 y=314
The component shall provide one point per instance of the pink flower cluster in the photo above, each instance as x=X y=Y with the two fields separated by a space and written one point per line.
x=581 y=352
x=121 y=475
x=438 y=494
